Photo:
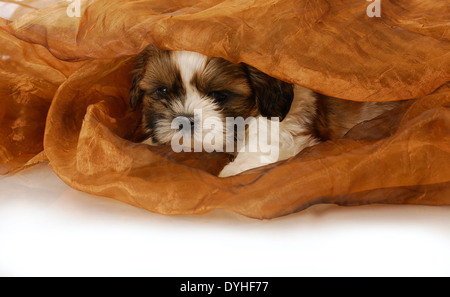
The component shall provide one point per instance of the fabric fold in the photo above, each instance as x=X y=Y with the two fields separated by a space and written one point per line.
x=65 y=81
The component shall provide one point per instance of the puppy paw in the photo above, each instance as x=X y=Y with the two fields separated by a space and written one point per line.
x=230 y=170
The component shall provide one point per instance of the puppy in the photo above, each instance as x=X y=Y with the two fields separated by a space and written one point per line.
x=190 y=97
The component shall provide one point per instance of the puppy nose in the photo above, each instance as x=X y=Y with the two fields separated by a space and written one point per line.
x=192 y=124
x=180 y=126
x=191 y=120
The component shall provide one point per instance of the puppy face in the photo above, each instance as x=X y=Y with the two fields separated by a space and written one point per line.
x=173 y=84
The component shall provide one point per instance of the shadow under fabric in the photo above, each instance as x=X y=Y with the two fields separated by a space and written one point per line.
x=64 y=86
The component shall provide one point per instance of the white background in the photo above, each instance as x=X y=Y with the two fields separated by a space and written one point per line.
x=49 y=229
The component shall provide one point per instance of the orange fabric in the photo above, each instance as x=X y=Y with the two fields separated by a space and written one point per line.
x=64 y=96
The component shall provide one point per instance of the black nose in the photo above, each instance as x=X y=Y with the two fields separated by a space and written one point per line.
x=180 y=126
x=189 y=118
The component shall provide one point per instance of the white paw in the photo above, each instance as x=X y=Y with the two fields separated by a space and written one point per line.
x=230 y=170
x=238 y=166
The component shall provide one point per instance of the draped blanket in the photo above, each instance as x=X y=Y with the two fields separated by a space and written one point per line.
x=65 y=79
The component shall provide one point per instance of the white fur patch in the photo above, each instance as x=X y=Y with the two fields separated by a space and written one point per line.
x=190 y=64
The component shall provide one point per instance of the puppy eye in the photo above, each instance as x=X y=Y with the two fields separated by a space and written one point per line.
x=162 y=91
x=219 y=95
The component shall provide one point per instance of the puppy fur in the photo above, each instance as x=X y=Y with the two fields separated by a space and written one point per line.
x=170 y=84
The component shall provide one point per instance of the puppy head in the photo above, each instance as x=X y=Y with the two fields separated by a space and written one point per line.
x=173 y=84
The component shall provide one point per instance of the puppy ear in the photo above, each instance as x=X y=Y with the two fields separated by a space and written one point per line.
x=136 y=93
x=273 y=96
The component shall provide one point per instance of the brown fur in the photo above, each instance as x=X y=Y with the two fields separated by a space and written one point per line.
x=221 y=75
x=335 y=117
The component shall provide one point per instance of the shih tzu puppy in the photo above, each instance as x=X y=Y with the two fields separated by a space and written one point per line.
x=196 y=103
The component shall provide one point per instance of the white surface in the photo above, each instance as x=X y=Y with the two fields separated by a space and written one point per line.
x=7 y=9
x=10 y=10
x=49 y=229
